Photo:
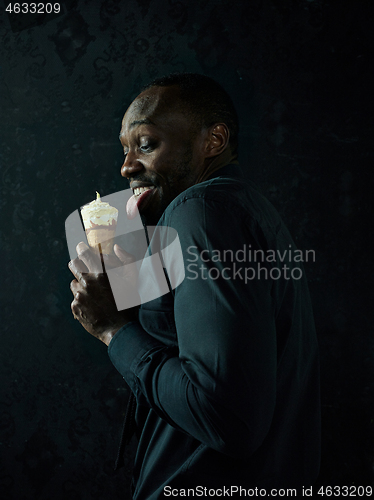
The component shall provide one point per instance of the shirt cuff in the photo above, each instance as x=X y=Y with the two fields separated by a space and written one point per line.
x=127 y=348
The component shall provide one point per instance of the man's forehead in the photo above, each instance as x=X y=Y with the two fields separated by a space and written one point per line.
x=153 y=102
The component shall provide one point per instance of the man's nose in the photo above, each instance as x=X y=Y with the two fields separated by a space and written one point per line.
x=130 y=166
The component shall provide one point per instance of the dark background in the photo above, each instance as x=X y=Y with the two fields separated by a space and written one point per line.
x=300 y=74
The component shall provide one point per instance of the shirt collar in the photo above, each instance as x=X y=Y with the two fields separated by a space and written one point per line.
x=230 y=170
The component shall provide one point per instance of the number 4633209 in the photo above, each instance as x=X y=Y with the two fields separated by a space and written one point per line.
x=33 y=8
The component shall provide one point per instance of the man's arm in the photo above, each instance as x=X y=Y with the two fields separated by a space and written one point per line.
x=221 y=387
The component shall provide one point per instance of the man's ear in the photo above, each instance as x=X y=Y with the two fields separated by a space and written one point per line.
x=217 y=139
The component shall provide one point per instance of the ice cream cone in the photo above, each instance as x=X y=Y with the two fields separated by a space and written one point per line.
x=100 y=222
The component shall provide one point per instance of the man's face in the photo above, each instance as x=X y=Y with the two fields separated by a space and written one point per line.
x=161 y=150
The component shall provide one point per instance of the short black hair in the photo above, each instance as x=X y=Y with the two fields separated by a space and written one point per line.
x=207 y=101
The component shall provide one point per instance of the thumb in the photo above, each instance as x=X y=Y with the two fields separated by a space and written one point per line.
x=125 y=257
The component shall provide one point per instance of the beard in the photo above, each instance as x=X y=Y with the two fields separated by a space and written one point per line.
x=177 y=176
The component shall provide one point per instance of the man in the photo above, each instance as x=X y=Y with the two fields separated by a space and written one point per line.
x=224 y=368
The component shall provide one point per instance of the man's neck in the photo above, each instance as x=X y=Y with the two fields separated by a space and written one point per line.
x=216 y=163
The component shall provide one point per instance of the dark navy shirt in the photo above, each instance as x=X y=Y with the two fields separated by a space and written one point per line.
x=225 y=367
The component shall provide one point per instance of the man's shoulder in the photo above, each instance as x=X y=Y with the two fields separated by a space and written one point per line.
x=220 y=196
x=218 y=189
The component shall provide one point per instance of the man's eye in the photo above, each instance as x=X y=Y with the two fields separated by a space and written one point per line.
x=149 y=146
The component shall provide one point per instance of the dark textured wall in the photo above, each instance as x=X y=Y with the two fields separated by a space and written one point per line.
x=300 y=75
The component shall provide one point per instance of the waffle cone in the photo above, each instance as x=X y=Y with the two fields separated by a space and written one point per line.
x=103 y=236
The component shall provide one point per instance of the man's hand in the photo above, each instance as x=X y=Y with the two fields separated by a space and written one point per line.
x=93 y=305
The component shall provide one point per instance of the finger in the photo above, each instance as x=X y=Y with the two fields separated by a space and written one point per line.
x=111 y=261
x=78 y=268
x=77 y=265
x=79 y=303
x=76 y=287
x=125 y=257
x=75 y=309
x=90 y=259
x=82 y=247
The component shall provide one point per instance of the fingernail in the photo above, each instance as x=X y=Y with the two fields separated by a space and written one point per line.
x=81 y=247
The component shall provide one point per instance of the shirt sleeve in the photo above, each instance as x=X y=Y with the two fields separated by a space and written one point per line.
x=220 y=386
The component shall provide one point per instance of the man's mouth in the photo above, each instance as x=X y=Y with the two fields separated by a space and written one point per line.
x=139 y=190
x=139 y=200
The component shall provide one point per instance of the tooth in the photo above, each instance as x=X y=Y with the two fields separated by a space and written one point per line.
x=140 y=190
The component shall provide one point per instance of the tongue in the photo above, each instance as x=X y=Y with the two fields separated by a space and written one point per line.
x=134 y=202
x=132 y=207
